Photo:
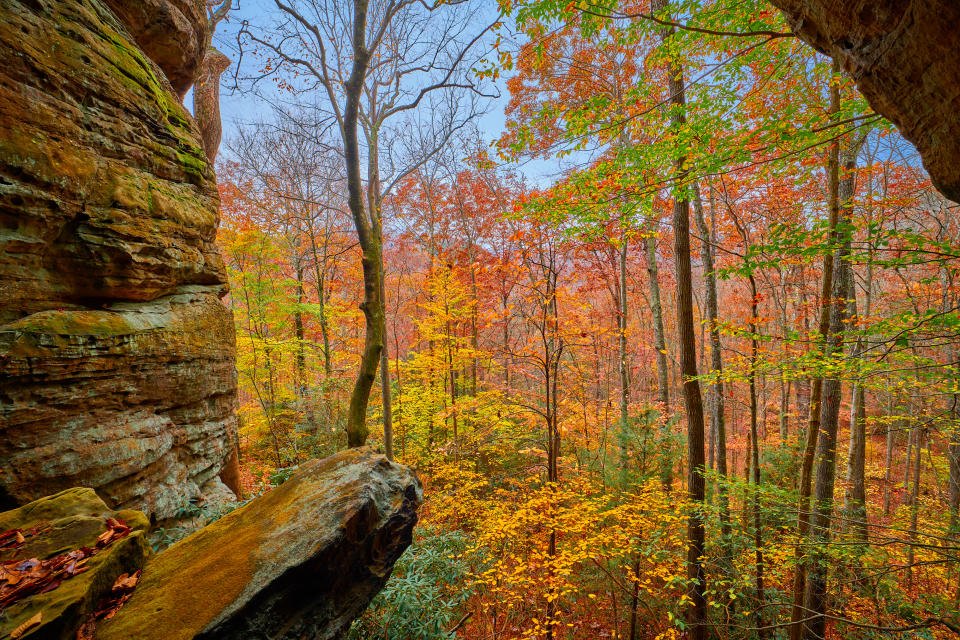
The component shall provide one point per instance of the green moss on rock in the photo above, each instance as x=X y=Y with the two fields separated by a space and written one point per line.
x=76 y=518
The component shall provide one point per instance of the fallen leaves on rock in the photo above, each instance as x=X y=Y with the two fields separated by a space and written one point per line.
x=20 y=579
x=15 y=538
x=122 y=590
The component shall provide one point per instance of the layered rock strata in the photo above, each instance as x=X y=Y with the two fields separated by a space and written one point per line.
x=116 y=354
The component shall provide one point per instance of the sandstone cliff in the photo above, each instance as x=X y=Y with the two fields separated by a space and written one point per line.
x=905 y=58
x=116 y=353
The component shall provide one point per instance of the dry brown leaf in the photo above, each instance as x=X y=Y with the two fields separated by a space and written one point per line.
x=126 y=581
x=20 y=538
x=26 y=626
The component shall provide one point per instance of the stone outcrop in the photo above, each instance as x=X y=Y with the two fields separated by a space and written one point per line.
x=173 y=33
x=905 y=58
x=300 y=562
x=116 y=354
x=67 y=522
x=206 y=100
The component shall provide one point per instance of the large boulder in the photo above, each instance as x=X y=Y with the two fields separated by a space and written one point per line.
x=301 y=562
x=905 y=58
x=82 y=546
x=116 y=353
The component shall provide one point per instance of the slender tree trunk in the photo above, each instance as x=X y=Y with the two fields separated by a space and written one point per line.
x=551 y=360
x=797 y=612
x=452 y=374
x=385 y=375
x=375 y=204
x=634 y=600
x=784 y=405
x=888 y=458
x=914 y=505
x=907 y=458
x=622 y=342
x=659 y=335
x=822 y=512
x=696 y=458
x=755 y=453
x=319 y=270
x=474 y=321
x=855 y=500
x=301 y=357
x=716 y=355
x=660 y=345
x=953 y=455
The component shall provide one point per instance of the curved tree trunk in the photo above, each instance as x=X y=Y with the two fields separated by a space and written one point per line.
x=368 y=236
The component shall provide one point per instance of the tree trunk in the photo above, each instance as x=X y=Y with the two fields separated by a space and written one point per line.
x=319 y=270
x=368 y=235
x=696 y=482
x=385 y=373
x=816 y=588
x=797 y=612
x=855 y=500
x=953 y=455
x=755 y=453
x=622 y=343
x=659 y=336
x=301 y=359
x=914 y=505
x=716 y=355
x=888 y=458
x=660 y=345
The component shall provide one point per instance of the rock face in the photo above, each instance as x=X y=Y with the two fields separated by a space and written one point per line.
x=116 y=354
x=173 y=33
x=206 y=100
x=71 y=519
x=300 y=562
x=903 y=55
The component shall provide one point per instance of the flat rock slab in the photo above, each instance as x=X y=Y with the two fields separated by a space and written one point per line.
x=302 y=561
x=71 y=519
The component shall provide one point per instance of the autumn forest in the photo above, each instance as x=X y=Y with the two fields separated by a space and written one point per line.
x=662 y=312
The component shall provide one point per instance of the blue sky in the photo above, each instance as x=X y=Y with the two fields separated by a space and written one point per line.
x=238 y=106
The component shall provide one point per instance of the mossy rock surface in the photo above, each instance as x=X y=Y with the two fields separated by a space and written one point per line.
x=302 y=561
x=76 y=517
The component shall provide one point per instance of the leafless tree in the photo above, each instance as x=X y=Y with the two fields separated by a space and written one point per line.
x=400 y=73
